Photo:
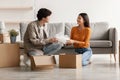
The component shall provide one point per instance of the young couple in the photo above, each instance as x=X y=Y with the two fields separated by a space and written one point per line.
x=36 y=41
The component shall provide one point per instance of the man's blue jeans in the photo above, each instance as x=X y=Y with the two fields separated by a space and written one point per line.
x=86 y=54
x=49 y=49
x=52 y=48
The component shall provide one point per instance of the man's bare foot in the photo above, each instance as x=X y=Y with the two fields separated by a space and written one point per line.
x=89 y=62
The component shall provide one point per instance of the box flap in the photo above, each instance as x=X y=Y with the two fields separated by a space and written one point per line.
x=42 y=61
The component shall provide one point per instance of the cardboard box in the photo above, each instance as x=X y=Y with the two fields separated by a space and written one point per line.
x=42 y=62
x=9 y=55
x=70 y=61
x=1 y=38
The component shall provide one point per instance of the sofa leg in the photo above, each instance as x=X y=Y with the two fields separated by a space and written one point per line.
x=115 y=57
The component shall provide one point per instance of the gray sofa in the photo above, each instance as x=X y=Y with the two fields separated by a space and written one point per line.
x=103 y=39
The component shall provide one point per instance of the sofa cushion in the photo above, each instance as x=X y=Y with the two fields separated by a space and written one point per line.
x=68 y=47
x=93 y=43
x=97 y=44
x=100 y=30
x=100 y=43
x=55 y=28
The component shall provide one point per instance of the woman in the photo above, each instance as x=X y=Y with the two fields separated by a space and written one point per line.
x=80 y=37
x=36 y=39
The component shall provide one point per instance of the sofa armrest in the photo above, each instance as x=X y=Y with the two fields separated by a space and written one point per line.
x=114 y=38
x=21 y=44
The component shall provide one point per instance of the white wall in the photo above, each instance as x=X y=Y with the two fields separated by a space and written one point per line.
x=98 y=10
x=11 y=12
x=11 y=15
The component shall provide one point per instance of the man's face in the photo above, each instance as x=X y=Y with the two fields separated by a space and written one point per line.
x=46 y=20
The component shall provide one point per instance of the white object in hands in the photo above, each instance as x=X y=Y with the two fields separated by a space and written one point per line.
x=62 y=38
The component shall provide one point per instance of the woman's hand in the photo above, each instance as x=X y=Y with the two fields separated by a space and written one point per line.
x=52 y=40
x=69 y=42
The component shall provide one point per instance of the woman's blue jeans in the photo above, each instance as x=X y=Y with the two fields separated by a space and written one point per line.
x=86 y=54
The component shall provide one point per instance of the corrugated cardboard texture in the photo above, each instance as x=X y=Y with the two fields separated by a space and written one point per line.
x=1 y=38
x=70 y=61
x=42 y=62
x=9 y=55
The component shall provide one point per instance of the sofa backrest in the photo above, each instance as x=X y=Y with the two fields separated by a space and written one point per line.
x=23 y=27
x=68 y=27
x=100 y=30
x=53 y=29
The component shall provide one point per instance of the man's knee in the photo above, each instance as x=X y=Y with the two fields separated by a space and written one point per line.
x=84 y=63
x=35 y=52
x=57 y=45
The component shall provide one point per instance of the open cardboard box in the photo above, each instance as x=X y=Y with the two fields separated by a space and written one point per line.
x=42 y=62
x=70 y=61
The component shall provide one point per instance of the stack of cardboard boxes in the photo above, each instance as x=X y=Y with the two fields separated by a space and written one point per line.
x=10 y=57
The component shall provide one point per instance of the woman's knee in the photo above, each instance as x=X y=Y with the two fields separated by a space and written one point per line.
x=90 y=51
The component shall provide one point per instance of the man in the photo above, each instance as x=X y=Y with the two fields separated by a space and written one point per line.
x=36 y=41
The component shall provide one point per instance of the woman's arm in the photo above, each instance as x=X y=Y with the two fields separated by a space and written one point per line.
x=70 y=42
x=87 y=39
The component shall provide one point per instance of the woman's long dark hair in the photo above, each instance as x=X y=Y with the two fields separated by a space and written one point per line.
x=86 y=19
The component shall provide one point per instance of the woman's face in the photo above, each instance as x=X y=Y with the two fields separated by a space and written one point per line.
x=80 y=20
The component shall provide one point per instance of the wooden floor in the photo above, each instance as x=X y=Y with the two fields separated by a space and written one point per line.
x=100 y=69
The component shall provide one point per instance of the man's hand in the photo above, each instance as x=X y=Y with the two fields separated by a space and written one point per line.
x=52 y=40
